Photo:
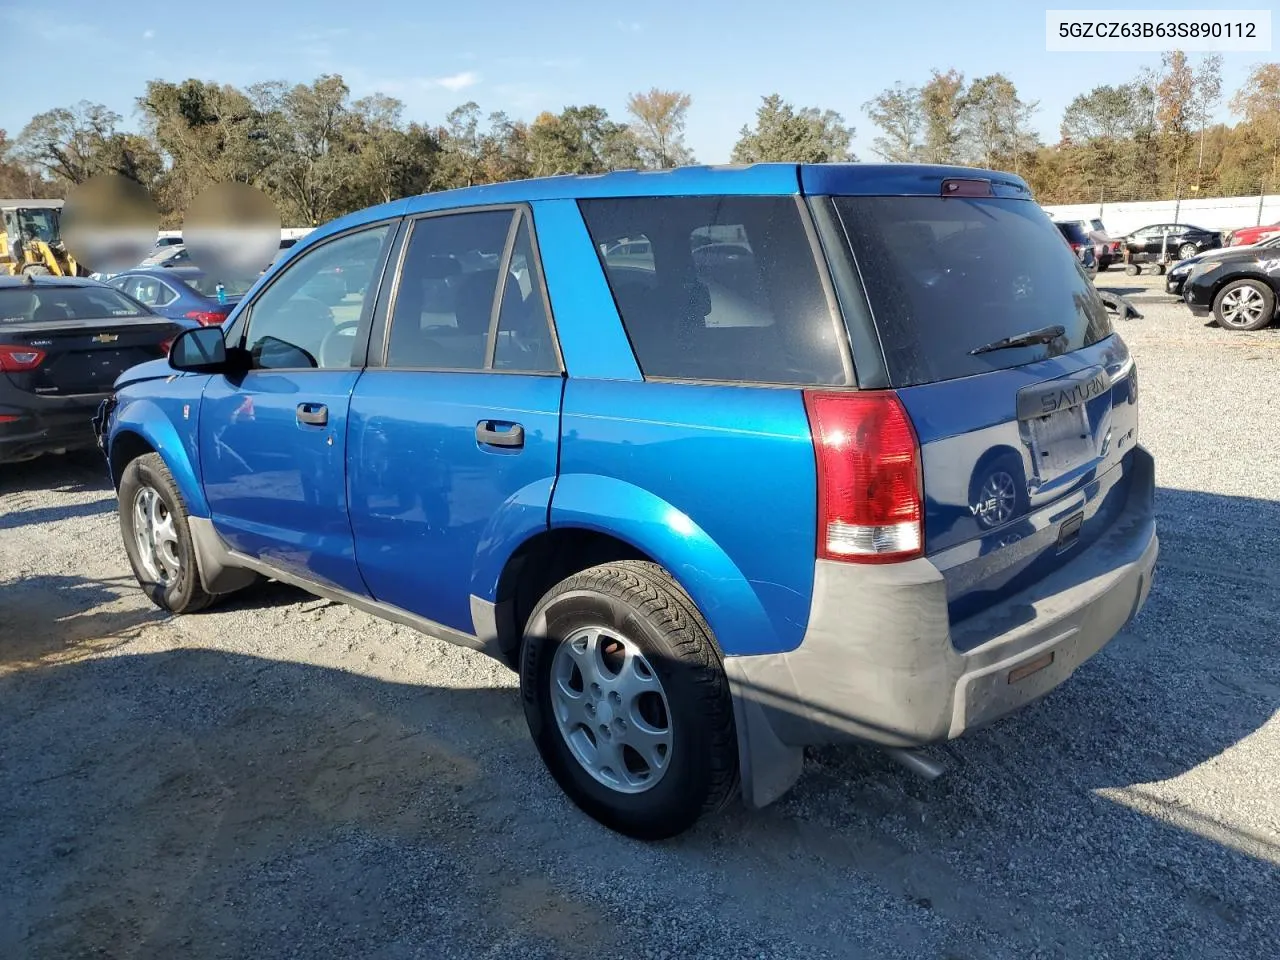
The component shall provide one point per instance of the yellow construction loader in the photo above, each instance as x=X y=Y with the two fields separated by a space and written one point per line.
x=31 y=240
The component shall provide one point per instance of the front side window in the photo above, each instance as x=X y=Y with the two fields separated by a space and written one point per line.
x=310 y=315
x=728 y=289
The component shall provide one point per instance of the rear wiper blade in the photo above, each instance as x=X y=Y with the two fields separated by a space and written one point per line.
x=1044 y=335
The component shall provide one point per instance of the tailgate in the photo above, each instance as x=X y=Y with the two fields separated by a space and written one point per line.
x=1023 y=468
x=67 y=357
x=1022 y=397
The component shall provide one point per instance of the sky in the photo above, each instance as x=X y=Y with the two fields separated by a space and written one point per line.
x=522 y=57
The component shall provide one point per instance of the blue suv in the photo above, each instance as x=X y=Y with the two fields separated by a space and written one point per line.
x=724 y=462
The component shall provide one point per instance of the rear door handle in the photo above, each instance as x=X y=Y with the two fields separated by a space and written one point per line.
x=513 y=436
x=316 y=414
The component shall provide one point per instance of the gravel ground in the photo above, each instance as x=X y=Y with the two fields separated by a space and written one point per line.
x=284 y=777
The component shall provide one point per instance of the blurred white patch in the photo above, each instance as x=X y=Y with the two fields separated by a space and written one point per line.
x=232 y=231
x=109 y=223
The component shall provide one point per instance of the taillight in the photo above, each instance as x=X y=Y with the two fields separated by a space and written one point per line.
x=205 y=318
x=165 y=345
x=15 y=359
x=870 y=486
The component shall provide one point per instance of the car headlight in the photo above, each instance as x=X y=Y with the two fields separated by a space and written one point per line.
x=1180 y=270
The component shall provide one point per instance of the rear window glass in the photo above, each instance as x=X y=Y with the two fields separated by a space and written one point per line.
x=209 y=287
x=47 y=303
x=717 y=288
x=1073 y=231
x=946 y=276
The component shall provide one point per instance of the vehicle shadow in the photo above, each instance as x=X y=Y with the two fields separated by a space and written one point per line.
x=60 y=619
x=77 y=472
x=209 y=803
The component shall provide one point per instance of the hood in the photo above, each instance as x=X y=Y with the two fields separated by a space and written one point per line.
x=151 y=370
x=1220 y=253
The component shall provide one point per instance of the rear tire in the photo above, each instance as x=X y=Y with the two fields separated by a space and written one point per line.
x=1187 y=251
x=1244 y=305
x=157 y=537
x=36 y=270
x=646 y=764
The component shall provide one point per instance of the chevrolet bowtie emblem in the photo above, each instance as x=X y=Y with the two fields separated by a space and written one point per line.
x=106 y=338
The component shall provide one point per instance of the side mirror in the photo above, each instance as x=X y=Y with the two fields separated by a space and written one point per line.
x=201 y=350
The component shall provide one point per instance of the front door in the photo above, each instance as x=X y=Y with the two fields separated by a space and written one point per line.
x=455 y=426
x=273 y=441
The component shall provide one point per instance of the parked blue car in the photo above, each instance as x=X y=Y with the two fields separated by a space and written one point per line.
x=876 y=475
x=182 y=293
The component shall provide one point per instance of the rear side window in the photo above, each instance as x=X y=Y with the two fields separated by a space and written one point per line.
x=946 y=276
x=718 y=288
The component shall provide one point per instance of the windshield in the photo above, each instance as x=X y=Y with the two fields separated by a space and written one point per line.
x=944 y=276
x=49 y=303
x=39 y=224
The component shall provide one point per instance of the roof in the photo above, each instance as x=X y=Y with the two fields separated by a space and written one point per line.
x=179 y=272
x=38 y=204
x=47 y=281
x=758 y=179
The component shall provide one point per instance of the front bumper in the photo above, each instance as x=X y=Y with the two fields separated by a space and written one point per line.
x=878 y=662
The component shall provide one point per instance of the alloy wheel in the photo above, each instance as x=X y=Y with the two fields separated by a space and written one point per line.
x=1242 y=306
x=156 y=535
x=611 y=710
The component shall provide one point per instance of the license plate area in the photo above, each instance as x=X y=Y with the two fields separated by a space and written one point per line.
x=1061 y=442
x=1056 y=425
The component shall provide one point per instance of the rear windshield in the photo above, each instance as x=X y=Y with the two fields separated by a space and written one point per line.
x=1073 y=231
x=718 y=288
x=47 y=303
x=945 y=276
x=209 y=286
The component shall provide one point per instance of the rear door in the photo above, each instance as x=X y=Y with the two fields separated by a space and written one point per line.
x=64 y=341
x=1023 y=447
x=455 y=425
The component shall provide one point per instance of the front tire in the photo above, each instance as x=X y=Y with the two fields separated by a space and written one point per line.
x=157 y=538
x=1244 y=305
x=627 y=701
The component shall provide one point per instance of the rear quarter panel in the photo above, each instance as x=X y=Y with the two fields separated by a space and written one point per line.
x=716 y=483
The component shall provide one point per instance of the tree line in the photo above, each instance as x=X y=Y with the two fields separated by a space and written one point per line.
x=320 y=153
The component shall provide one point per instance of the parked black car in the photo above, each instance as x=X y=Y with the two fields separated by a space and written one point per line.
x=1179 y=272
x=1238 y=288
x=1183 y=240
x=63 y=342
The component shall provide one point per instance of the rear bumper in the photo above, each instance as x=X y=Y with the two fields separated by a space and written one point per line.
x=877 y=662
x=56 y=425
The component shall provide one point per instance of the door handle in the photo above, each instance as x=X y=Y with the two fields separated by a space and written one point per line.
x=316 y=414
x=511 y=437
